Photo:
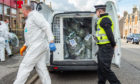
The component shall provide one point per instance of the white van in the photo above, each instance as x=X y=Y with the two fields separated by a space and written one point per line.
x=76 y=48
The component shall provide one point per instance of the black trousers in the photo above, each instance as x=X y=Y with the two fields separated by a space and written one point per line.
x=105 y=73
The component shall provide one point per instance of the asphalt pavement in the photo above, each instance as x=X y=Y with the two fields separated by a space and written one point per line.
x=129 y=73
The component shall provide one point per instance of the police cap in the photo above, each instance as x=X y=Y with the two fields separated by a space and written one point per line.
x=100 y=7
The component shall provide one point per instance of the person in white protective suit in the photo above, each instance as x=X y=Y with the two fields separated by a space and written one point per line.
x=2 y=44
x=6 y=29
x=7 y=23
x=37 y=35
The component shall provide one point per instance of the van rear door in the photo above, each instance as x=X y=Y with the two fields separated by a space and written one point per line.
x=111 y=9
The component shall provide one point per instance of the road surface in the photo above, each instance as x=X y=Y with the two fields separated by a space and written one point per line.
x=129 y=73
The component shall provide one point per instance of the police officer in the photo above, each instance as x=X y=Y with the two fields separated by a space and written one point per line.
x=106 y=43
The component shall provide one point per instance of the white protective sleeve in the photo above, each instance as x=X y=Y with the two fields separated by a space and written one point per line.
x=41 y=22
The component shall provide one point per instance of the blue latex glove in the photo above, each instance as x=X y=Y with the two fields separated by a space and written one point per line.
x=52 y=46
x=6 y=41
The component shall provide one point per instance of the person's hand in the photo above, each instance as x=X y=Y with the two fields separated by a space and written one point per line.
x=115 y=47
x=6 y=41
x=52 y=41
x=22 y=50
x=95 y=38
x=52 y=47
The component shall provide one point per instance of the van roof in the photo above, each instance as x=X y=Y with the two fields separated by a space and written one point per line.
x=79 y=12
x=72 y=12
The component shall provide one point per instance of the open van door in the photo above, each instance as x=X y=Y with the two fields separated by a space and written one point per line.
x=94 y=45
x=44 y=9
x=111 y=9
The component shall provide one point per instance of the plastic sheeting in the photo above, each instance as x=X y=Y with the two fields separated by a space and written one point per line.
x=77 y=38
x=13 y=39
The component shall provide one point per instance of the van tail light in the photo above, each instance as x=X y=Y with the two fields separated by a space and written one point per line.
x=55 y=68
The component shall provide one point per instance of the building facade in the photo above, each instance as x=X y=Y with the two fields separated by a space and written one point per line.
x=8 y=11
x=131 y=23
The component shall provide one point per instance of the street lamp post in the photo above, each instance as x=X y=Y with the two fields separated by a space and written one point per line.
x=3 y=11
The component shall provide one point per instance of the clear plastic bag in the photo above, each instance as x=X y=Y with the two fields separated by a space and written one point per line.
x=77 y=39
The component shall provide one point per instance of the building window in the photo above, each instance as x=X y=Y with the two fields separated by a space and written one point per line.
x=133 y=18
x=0 y=17
x=0 y=8
x=13 y=11
x=130 y=31
x=1 y=12
x=130 y=20
x=6 y=10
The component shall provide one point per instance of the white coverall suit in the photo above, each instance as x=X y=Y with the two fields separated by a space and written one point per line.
x=2 y=44
x=37 y=34
x=6 y=29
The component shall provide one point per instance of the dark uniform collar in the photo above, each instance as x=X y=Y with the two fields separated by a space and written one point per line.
x=105 y=14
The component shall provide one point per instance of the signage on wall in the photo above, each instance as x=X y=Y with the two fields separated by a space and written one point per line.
x=20 y=3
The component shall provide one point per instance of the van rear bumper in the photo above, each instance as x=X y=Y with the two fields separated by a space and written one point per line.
x=72 y=68
x=72 y=65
